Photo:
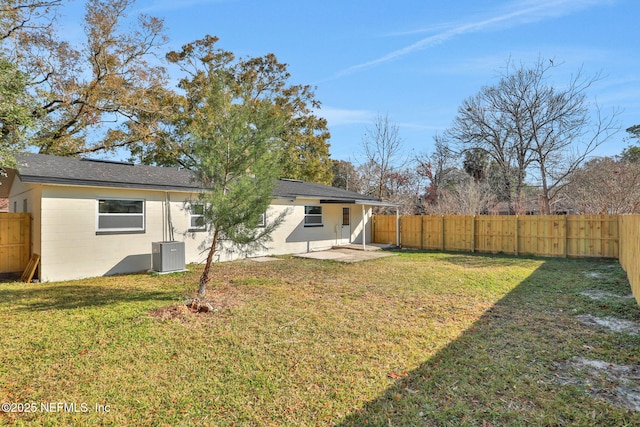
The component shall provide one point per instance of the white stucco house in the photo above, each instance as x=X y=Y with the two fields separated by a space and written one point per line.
x=93 y=217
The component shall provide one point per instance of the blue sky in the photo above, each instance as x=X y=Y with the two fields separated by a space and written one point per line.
x=417 y=60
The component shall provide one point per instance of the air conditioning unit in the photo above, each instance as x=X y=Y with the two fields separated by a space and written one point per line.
x=167 y=256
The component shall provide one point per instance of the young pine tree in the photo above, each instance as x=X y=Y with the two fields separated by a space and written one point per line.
x=236 y=154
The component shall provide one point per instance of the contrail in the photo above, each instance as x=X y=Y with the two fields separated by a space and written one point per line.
x=535 y=10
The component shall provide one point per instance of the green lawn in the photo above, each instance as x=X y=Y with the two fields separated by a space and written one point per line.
x=416 y=339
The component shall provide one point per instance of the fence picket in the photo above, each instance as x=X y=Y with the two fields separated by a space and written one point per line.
x=629 y=229
x=541 y=235
x=15 y=241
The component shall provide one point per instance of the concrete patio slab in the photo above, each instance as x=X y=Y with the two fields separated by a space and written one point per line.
x=265 y=259
x=368 y=247
x=345 y=255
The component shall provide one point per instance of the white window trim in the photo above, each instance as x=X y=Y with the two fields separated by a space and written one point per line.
x=203 y=227
x=124 y=229
x=262 y=222
x=306 y=215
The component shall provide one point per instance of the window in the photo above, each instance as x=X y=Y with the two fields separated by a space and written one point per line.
x=345 y=216
x=262 y=222
x=313 y=216
x=120 y=216
x=196 y=217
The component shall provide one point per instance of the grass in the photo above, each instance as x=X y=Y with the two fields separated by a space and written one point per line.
x=415 y=339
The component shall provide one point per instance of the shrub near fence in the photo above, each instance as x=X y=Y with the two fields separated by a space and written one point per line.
x=542 y=235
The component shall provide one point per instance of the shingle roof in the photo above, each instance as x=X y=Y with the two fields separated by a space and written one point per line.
x=288 y=188
x=76 y=171
x=49 y=169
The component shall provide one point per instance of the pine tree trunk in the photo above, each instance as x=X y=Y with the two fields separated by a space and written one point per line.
x=204 y=278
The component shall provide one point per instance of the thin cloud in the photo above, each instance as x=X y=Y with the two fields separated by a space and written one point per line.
x=166 y=5
x=568 y=58
x=524 y=12
x=341 y=116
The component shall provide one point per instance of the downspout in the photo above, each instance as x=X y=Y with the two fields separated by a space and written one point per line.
x=169 y=224
x=164 y=218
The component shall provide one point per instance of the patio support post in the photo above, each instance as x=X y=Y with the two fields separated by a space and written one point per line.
x=397 y=226
x=364 y=229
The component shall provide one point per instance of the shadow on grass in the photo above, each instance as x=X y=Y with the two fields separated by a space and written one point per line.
x=64 y=297
x=503 y=370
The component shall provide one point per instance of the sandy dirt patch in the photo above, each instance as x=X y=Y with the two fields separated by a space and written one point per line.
x=617 y=384
x=218 y=301
x=603 y=295
x=611 y=323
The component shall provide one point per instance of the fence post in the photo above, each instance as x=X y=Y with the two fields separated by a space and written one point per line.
x=421 y=231
x=566 y=236
x=442 y=226
x=373 y=227
x=473 y=233
x=516 y=235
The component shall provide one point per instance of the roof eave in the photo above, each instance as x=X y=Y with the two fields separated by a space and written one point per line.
x=110 y=184
x=360 y=202
x=378 y=203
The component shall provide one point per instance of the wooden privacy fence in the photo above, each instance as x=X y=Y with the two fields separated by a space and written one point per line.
x=542 y=235
x=15 y=241
x=630 y=250
x=605 y=236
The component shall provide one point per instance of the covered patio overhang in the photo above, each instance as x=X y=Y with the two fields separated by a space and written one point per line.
x=364 y=203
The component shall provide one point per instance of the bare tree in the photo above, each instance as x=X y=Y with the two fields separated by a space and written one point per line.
x=563 y=132
x=405 y=186
x=438 y=170
x=468 y=197
x=529 y=127
x=488 y=123
x=382 y=149
x=604 y=185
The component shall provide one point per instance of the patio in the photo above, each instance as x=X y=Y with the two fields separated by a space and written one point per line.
x=349 y=253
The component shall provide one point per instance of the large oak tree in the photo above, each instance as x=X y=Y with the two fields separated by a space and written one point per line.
x=15 y=112
x=109 y=92
x=303 y=140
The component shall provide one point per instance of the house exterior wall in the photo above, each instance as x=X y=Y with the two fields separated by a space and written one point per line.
x=70 y=247
x=293 y=237
x=65 y=229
